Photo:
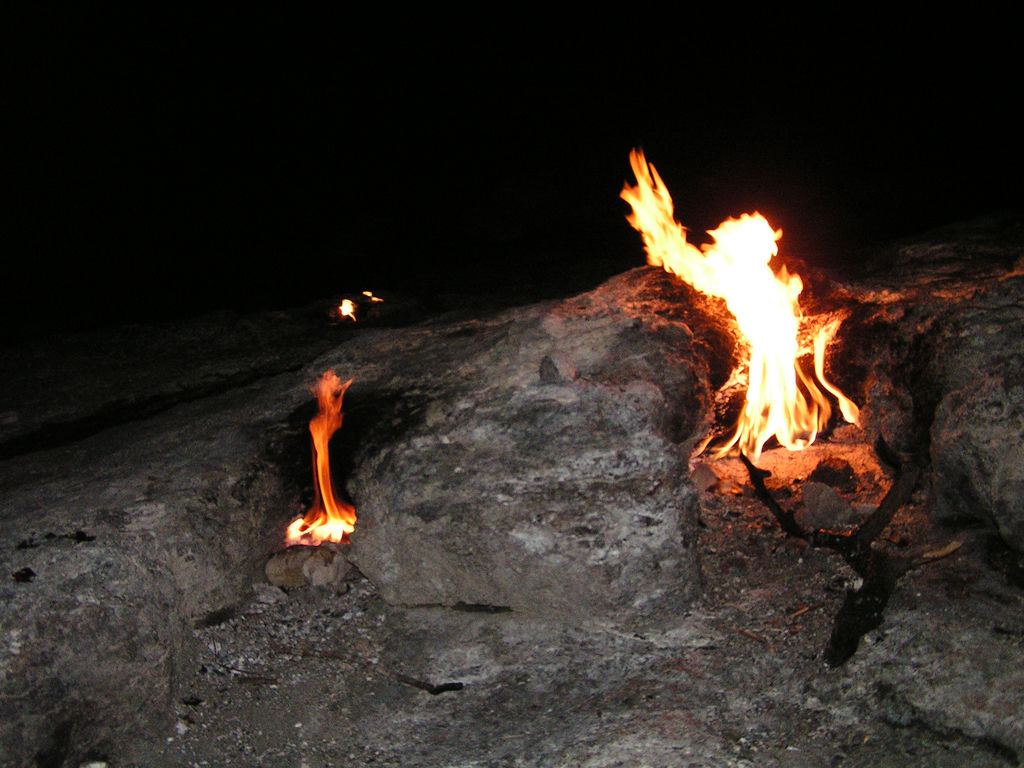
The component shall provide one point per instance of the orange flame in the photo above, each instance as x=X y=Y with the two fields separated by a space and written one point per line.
x=329 y=519
x=782 y=401
x=347 y=308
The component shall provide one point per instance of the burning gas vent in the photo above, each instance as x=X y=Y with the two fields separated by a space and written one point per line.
x=783 y=401
x=329 y=518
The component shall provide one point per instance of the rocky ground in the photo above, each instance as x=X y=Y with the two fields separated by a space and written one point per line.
x=149 y=472
x=332 y=675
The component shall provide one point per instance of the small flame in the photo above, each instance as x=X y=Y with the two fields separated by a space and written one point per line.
x=782 y=401
x=347 y=308
x=329 y=519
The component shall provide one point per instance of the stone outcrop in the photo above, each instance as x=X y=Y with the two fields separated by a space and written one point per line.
x=114 y=547
x=531 y=460
x=978 y=454
x=937 y=332
x=541 y=458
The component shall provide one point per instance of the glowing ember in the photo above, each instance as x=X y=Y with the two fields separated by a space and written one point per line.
x=329 y=519
x=782 y=400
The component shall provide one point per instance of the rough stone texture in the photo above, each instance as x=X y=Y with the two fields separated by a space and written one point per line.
x=541 y=463
x=298 y=566
x=69 y=386
x=130 y=631
x=949 y=666
x=977 y=439
x=136 y=532
x=334 y=677
x=133 y=535
x=936 y=337
x=824 y=508
x=978 y=456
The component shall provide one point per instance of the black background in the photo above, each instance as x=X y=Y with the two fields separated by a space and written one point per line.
x=162 y=163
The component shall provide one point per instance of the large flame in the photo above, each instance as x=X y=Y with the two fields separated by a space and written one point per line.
x=782 y=401
x=329 y=519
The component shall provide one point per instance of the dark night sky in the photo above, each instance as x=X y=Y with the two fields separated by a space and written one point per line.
x=162 y=164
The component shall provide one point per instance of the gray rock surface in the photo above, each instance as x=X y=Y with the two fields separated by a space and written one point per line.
x=133 y=535
x=824 y=508
x=640 y=622
x=939 y=332
x=332 y=677
x=117 y=543
x=68 y=386
x=977 y=438
x=978 y=455
x=540 y=461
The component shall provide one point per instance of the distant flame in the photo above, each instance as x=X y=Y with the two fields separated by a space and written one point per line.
x=782 y=400
x=347 y=308
x=329 y=519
